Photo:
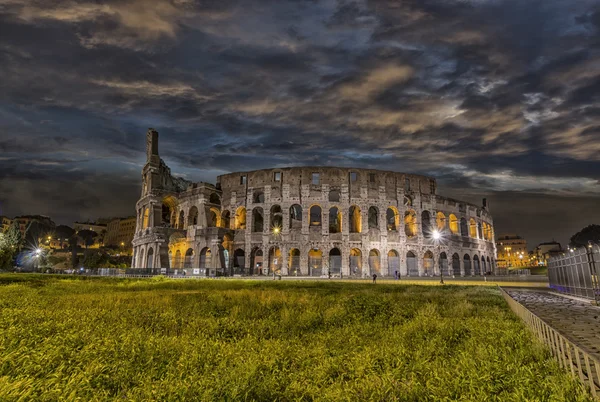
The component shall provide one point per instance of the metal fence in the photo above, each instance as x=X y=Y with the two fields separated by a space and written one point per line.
x=576 y=272
x=570 y=357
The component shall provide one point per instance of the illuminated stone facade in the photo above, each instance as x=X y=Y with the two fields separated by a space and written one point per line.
x=316 y=221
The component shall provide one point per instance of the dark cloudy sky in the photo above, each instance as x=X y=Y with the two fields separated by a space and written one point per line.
x=495 y=98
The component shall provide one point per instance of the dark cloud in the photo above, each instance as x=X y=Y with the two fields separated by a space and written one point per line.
x=495 y=98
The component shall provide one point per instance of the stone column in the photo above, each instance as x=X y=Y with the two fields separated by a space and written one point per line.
x=284 y=260
x=420 y=267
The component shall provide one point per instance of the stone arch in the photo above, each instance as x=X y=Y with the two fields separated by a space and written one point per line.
x=464 y=229
x=467 y=264
x=455 y=264
x=453 y=224
x=150 y=258
x=294 y=262
x=393 y=262
x=374 y=262
x=473 y=228
x=334 y=196
x=392 y=218
x=410 y=223
x=440 y=220
x=428 y=263
x=189 y=258
x=274 y=259
x=214 y=199
x=169 y=204
x=355 y=219
x=177 y=260
x=276 y=219
x=315 y=215
x=373 y=218
x=355 y=262
x=335 y=220
x=181 y=221
x=443 y=264
x=258 y=220
x=213 y=220
x=476 y=266
x=484 y=267
x=335 y=261
x=226 y=219
x=426 y=223
x=411 y=264
x=239 y=259
x=256 y=261
x=193 y=216
x=240 y=218
x=258 y=197
x=295 y=217
x=205 y=255
x=315 y=262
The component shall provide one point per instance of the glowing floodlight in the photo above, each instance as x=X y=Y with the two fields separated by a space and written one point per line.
x=436 y=235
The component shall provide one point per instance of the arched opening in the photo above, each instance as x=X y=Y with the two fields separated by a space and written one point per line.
x=226 y=219
x=169 y=205
x=294 y=262
x=467 y=264
x=393 y=263
x=335 y=261
x=276 y=219
x=428 y=263
x=181 y=221
x=374 y=262
x=426 y=224
x=440 y=220
x=476 y=266
x=146 y=218
x=489 y=266
x=189 y=258
x=193 y=216
x=355 y=262
x=443 y=264
x=257 y=220
x=464 y=229
x=150 y=258
x=455 y=264
x=258 y=197
x=473 y=228
x=177 y=260
x=214 y=199
x=239 y=260
x=295 y=217
x=373 y=218
x=410 y=223
x=205 y=257
x=411 y=264
x=334 y=196
x=479 y=230
x=315 y=216
x=355 y=219
x=453 y=224
x=315 y=262
x=392 y=219
x=240 y=218
x=214 y=218
x=274 y=259
x=335 y=220
x=257 y=262
x=173 y=221
x=484 y=268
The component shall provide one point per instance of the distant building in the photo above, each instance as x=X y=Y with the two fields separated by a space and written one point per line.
x=512 y=251
x=25 y=220
x=5 y=222
x=544 y=251
x=100 y=229
x=120 y=232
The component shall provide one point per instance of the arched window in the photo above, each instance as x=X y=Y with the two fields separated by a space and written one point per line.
x=295 y=217
x=476 y=266
x=392 y=219
x=393 y=263
x=193 y=216
x=240 y=218
x=275 y=259
x=410 y=223
x=334 y=196
x=453 y=224
x=355 y=219
x=258 y=197
x=257 y=220
x=315 y=262
x=226 y=219
x=177 y=260
x=355 y=262
x=335 y=220
x=443 y=264
x=464 y=229
x=335 y=261
x=428 y=263
x=374 y=262
x=150 y=258
x=276 y=218
x=181 y=222
x=214 y=218
x=411 y=264
x=294 y=262
x=189 y=258
x=467 y=264
x=205 y=257
x=315 y=216
x=455 y=264
x=440 y=220
x=373 y=218
x=146 y=218
x=473 y=228
x=214 y=199
x=426 y=223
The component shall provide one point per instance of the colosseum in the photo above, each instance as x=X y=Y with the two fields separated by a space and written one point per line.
x=309 y=221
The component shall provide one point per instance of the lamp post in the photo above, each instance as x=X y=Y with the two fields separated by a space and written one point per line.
x=436 y=237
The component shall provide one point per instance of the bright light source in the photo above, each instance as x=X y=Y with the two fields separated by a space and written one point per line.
x=436 y=235
x=38 y=251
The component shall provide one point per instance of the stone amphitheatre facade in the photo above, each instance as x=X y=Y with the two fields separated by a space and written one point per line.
x=316 y=221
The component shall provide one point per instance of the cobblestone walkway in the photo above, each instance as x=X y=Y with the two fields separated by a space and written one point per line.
x=576 y=320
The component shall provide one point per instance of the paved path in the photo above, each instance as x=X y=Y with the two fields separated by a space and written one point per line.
x=577 y=320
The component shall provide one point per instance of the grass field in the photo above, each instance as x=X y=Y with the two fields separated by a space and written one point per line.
x=118 y=339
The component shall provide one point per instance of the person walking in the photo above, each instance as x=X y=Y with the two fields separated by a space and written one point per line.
x=374 y=277
x=396 y=274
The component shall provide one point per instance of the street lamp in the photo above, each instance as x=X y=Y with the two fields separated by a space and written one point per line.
x=437 y=237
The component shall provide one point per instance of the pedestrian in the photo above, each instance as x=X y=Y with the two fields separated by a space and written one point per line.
x=396 y=274
x=374 y=277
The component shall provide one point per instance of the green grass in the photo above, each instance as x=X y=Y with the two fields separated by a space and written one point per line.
x=116 y=339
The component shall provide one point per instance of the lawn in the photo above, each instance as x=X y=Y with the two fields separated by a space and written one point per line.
x=123 y=339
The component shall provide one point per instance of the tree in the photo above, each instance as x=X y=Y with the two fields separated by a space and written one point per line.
x=87 y=236
x=10 y=245
x=588 y=233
